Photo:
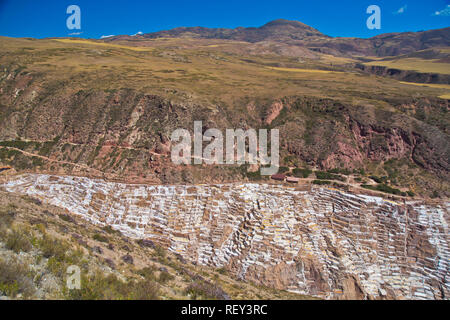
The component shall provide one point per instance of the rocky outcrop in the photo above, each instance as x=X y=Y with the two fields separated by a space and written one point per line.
x=318 y=242
x=273 y=112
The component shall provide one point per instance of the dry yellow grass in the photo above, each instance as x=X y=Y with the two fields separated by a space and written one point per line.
x=104 y=44
x=431 y=85
x=190 y=67
x=414 y=64
x=327 y=58
x=303 y=70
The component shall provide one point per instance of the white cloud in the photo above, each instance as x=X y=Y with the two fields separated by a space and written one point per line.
x=103 y=37
x=401 y=10
x=444 y=12
x=138 y=33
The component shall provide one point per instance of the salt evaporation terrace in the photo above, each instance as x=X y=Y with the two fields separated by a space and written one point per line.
x=315 y=241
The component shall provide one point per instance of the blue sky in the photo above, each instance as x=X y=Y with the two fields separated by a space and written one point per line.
x=47 y=18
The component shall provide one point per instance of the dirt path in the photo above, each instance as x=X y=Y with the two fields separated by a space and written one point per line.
x=86 y=144
x=115 y=176
x=53 y=160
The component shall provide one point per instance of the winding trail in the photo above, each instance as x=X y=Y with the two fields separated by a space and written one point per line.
x=106 y=175
x=52 y=160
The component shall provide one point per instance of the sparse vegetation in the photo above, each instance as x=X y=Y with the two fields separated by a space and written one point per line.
x=164 y=277
x=110 y=287
x=301 y=173
x=321 y=175
x=15 y=279
x=222 y=270
x=99 y=237
x=379 y=179
x=110 y=230
x=18 y=240
x=322 y=182
x=7 y=216
x=345 y=172
x=160 y=252
x=66 y=218
x=283 y=170
x=52 y=248
x=202 y=289
x=385 y=188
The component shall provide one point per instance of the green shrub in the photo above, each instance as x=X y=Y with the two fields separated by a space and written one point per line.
x=290 y=160
x=283 y=169
x=66 y=217
x=321 y=182
x=53 y=248
x=144 y=290
x=7 y=216
x=55 y=266
x=98 y=287
x=46 y=148
x=378 y=179
x=18 y=241
x=254 y=176
x=101 y=287
x=222 y=270
x=345 y=172
x=301 y=173
x=18 y=144
x=328 y=176
x=110 y=230
x=15 y=278
x=384 y=188
x=100 y=238
x=160 y=252
x=165 y=276
x=37 y=162
x=148 y=273
x=202 y=289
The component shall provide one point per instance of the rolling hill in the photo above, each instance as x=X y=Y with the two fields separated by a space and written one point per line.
x=107 y=107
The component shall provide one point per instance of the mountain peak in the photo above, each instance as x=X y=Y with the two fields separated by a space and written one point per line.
x=282 y=29
x=277 y=30
x=284 y=22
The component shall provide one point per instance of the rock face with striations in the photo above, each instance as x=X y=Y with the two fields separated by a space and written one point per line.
x=315 y=241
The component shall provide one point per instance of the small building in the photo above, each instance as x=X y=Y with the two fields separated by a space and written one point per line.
x=292 y=180
x=278 y=177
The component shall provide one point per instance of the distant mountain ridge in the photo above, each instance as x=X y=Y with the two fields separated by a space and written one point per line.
x=300 y=34
x=275 y=30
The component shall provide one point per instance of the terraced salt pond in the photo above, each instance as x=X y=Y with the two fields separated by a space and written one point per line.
x=315 y=241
